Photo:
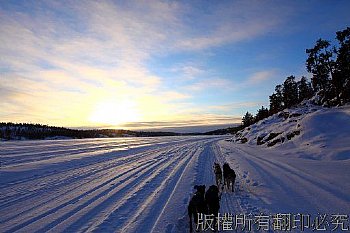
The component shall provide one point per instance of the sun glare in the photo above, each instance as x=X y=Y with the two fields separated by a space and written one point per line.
x=114 y=113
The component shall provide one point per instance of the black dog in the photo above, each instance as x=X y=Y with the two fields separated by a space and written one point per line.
x=229 y=176
x=212 y=198
x=218 y=175
x=197 y=205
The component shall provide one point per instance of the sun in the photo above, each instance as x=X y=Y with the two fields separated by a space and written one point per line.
x=115 y=113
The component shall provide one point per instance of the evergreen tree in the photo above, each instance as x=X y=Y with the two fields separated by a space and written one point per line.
x=290 y=92
x=341 y=79
x=321 y=64
x=304 y=89
x=276 y=100
x=247 y=119
x=262 y=114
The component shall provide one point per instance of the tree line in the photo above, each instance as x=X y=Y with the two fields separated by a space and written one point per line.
x=330 y=83
x=17 y=131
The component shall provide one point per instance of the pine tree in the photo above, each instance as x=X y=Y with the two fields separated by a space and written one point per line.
x=262 y=114
x=247 y=119
x=304 y=89
x=321 y=64
x=276 y=100
x=290 y=92
x=341 y=79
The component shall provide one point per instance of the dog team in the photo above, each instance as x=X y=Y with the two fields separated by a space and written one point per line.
x=208 y=202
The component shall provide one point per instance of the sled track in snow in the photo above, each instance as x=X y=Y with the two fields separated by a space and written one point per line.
x=146 y=188
x=239 y=202
x=284 y=175
x=243 y=199
x=103 y=191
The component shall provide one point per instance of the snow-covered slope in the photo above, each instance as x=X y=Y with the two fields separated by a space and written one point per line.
x=319 y=132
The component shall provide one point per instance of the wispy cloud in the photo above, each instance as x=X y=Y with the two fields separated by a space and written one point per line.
x=206 y=119
x=188 y=71
x=236 y=105
x=261 y=76
x=225 y=84
x=231 y=23
x=221 y=84
x=59 y=60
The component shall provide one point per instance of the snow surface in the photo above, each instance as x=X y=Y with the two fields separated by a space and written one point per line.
x=145 y=184
x=324 y=133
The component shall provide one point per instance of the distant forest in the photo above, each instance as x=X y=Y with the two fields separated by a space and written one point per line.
x=330 y=83
x=19 y=131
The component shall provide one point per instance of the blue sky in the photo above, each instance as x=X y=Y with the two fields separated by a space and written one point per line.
x=153 y=64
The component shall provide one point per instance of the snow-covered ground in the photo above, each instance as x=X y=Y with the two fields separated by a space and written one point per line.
x=144 y=184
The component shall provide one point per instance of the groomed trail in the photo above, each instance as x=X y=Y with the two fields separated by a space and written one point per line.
x=144 y=184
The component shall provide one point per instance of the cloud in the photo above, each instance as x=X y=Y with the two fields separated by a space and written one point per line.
x=211 y=83
x=50 y=64
x=173 y=95
x=232 y=23
x=236 y=105
x=61 y=59
x=188 y=71
x=261 y=76
x=189 y=120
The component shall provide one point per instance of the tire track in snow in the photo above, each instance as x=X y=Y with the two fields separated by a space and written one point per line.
x=101 y=207
x=98 y=157
x=60 y=196
x=243 y=200
x=166 y=191
x=78 y=196
x=72 y=177
x=39 y=151
x=102 y=188
x=202 y=174
x=66 y=177
x=174 y=217
x=42 y=154
x=295 y=176
x=88 y=159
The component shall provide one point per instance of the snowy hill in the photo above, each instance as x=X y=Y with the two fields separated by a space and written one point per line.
x=318 y=131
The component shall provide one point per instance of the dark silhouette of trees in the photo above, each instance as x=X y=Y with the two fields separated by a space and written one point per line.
x=341 y=78
x=305 y=90
x=276 y=100
x=290 y=92
x=247 y=119
x=321 y=64
x=261 y=114
x=286 y=95
x=330 y=67
x=17 y=131
x=330 y=83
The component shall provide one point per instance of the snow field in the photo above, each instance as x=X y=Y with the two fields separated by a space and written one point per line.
x=145 y=184
x=92 y=187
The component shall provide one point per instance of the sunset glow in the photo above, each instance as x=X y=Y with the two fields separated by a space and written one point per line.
x=152 y=64
x=114 y=113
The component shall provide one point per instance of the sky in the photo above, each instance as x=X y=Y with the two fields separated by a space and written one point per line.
x=177 y=65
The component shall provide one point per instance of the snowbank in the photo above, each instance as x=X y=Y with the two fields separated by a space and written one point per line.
x=322 y=133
